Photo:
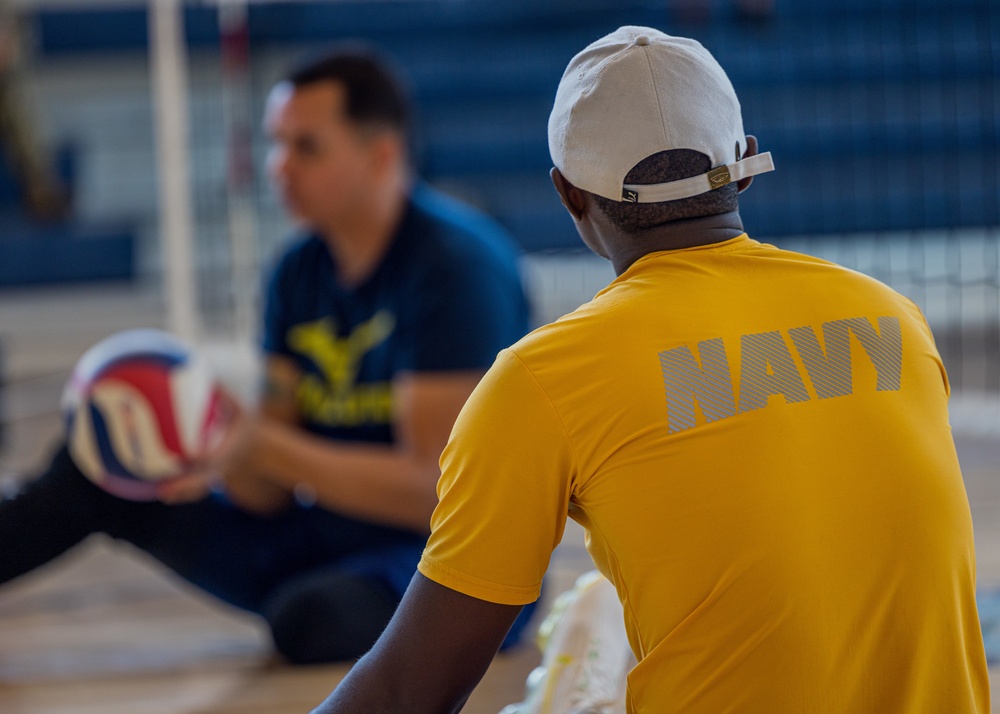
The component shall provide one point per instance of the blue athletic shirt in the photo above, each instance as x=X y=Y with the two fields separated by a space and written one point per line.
x=447 y=296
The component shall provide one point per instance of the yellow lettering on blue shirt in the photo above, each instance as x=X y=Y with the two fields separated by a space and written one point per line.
x=333 y=397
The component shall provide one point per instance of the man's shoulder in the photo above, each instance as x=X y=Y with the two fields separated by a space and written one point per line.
x=572 y=338
x=826 y=276
x=454 y=230
x=299 y=247
x=298 y=253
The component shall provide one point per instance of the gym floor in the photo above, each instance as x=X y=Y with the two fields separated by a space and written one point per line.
x=105 y=630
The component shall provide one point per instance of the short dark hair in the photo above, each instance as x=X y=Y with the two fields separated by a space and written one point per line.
x=660 y=168
x=375 y=95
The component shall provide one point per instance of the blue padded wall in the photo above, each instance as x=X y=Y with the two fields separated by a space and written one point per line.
x=881 y=114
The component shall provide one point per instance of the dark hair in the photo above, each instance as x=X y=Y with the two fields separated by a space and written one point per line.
x=660 y=168
x=375 y=95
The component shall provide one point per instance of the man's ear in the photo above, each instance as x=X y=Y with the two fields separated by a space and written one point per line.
x=744 y=183
x=572 y=197
x=388 y=149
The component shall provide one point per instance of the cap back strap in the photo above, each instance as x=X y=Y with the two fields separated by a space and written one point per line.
x=696 y=185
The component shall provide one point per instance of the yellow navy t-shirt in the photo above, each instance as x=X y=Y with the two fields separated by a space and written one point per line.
x=757 y=444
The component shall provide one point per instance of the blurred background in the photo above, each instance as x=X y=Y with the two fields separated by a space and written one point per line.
x=139 y=158
x=133 y=190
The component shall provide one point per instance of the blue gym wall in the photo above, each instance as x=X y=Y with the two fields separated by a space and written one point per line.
x=881 y=114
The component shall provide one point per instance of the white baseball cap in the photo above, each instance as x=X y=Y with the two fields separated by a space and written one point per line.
x=635 y=93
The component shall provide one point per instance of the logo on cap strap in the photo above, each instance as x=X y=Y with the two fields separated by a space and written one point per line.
x=696 y=185
x=718 y=177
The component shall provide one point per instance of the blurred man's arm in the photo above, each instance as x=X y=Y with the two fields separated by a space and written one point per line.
x=390 y=484
x=431 y=656
x=268 y=456
x=277 y=398
x=227 y=463
x=244 y=482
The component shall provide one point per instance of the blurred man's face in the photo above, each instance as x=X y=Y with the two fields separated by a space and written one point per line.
x=320 y=162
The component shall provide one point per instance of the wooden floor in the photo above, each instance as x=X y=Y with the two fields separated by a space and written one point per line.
x=106 y=631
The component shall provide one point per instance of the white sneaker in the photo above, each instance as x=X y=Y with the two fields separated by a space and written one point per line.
x=585 y=654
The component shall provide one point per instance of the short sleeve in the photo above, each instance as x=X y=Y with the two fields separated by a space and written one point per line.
x=504 y=491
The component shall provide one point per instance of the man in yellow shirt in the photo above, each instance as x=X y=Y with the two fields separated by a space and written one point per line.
x=756 y=442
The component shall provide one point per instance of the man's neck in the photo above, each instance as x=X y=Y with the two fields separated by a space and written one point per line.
x=359 y=242
x=675 y=236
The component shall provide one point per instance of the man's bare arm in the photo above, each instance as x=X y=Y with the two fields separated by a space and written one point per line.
x=229 y=462
x=391 y=484
x=431 y=656
x=245 y=483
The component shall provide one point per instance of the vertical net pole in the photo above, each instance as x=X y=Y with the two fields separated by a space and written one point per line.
x=170 y=114
x=235 y=43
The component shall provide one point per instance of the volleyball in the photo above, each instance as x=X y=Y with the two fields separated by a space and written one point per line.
x=139 y=406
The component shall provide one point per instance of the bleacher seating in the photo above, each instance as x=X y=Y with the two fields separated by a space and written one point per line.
x=881 y=114
x=57 y=250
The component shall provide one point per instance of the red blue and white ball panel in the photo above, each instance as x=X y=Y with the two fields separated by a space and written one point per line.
x=139 y=406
